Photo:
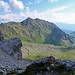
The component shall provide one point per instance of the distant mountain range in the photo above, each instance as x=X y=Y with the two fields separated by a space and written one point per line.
x=72 y=34
x=67 y=31
x=36 y=31
x=66 y=26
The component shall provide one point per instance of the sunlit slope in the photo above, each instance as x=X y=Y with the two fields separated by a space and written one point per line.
x=36 y=31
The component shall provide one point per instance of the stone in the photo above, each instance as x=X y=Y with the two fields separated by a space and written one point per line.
x=13 y=47
x=1 y=36
x=11 y=55
x=46 y=66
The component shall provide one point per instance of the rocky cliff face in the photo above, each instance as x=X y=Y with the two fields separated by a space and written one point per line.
x=1 y=36
x=11 y=46
x=10 y=52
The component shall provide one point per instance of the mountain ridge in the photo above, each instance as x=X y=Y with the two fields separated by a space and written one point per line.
x=36 y=31
x=72 y=34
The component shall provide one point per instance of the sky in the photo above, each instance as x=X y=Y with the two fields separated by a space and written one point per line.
x=57 y=11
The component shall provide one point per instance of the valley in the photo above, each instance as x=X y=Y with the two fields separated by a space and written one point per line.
x=38 y=51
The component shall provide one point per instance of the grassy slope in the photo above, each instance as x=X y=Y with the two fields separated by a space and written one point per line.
x=36 y=31
x=37 y=51
x=12 y=31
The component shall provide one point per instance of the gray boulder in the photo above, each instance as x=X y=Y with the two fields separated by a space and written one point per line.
x=1 y=36
x=12 y=47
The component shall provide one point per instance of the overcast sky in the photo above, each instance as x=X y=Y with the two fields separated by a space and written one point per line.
x=50 y=10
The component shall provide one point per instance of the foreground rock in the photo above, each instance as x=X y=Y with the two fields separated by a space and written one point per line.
x=47 y=66
x=8 y=63
x=1 y=36
x=12 y=47
x=11 y=55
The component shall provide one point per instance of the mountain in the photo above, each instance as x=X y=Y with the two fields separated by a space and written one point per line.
x=66 y=26
x=67 y=31
x=72 y=34
x=36 y=31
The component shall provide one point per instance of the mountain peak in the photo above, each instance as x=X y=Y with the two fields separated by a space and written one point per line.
x=29 y=18
x=27 y=21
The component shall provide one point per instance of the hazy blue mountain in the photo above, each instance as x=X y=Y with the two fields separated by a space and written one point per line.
x=66 y=26
x=72 y=34
x=67 y=31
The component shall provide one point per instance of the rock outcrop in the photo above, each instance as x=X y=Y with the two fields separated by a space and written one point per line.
x=11 y=46
x=1 y=36
x=10 y=52
x=47 y=66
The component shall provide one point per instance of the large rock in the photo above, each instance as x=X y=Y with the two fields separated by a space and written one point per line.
x=10 y=50
x=1 y=36
x=12 y=47
x=8 y=63
x=47 y=66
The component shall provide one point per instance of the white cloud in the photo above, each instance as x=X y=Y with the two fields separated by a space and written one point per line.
x=12 y=17
x=52 y=15
x=55 y=15
x=33 y=14
x=16 y=4
x=19 y=17
x=58 y=9
x=52 y=0
x=5 y=6
x=38 y=1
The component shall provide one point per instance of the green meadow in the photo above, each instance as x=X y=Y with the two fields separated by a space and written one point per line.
x=38 y=51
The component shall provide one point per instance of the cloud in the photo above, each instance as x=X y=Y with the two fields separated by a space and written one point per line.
x=33 y=14
x=16 y=4
x=38 y=1
x=19 y=17
x=58 y=9
x=55 y=15
x=52 y=0
x=5 y=6
x=52 y=15
x=12 y=17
